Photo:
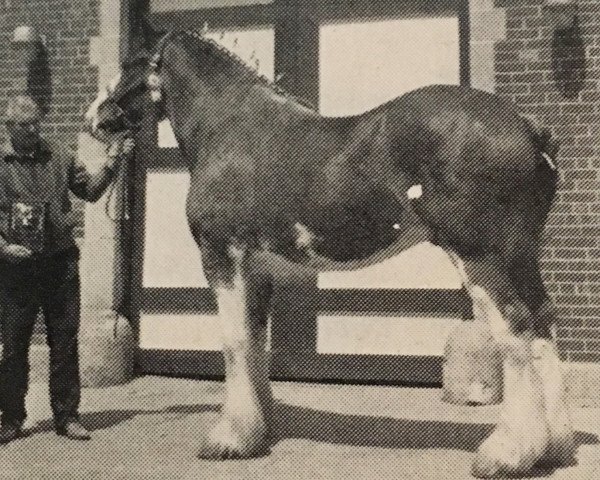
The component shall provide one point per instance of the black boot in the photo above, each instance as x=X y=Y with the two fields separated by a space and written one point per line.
x=73 y=430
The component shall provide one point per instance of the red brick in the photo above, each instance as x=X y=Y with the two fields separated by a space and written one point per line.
x=585 y=333
x=578 y=109
x=523 y=11
x=592 y=345
x=571 y=345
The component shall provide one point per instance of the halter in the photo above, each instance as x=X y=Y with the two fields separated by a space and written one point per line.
x=154 y=83
x=153 y=80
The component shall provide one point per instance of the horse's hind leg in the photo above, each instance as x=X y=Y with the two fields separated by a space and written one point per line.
x=527 y=277
x=243 y=301
x=521 y=436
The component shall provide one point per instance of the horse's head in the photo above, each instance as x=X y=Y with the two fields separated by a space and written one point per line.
x=120 y=107
x=194 y=66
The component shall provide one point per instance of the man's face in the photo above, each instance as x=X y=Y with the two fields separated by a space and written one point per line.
x=24 y=133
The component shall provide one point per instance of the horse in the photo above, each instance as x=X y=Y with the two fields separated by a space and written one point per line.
x=269 y=175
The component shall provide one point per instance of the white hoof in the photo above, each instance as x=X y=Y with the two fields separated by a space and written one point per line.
x=561 y=447
x=504 y=455
x=233 y=438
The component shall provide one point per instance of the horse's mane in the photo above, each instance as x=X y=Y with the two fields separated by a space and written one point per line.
x=233 y=61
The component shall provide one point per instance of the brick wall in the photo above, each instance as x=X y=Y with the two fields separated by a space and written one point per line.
x=555 y=79
x=67 y=26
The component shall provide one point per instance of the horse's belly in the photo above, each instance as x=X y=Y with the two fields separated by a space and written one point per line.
x=363 y=230
x=409 y=236
x=357 y=204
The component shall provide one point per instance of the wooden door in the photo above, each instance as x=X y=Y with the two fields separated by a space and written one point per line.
x=386 y=323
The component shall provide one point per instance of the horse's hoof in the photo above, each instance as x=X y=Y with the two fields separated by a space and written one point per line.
x=229 y=442
x=502 y=456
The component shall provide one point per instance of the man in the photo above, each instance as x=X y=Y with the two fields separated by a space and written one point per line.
x=39 y=264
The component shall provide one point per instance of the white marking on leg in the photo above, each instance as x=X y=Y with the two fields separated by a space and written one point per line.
x=484 y=306
x=241 y=397
x=241 y=430
x=236 y=339
x=305 y=239
x=521 y=435
x=561 y=449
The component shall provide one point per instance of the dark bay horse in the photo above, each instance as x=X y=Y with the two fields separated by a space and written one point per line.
x=451 y=165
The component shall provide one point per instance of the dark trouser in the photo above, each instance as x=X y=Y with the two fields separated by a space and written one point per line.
x=51 y=284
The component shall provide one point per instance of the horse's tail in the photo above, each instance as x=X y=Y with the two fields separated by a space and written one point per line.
x=525 y=230
x=542 y=139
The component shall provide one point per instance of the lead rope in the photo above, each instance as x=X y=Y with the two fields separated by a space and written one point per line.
x=118 y=176
x=120 y=213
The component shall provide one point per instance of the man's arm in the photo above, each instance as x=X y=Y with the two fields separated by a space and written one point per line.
x=91 y=186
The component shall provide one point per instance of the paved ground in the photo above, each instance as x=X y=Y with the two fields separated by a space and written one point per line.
x=149 y=429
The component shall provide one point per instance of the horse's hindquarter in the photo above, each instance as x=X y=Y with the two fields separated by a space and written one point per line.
x=483 y=178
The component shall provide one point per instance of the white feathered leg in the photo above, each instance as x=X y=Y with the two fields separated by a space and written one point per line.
x=521 y=435
x=561 y=448
x=241 y=430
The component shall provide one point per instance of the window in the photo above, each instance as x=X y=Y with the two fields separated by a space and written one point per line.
x=364 y=64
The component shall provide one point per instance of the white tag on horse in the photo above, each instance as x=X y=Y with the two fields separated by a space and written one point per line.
x=414 y=192
x=155 y=95
x=549 y=160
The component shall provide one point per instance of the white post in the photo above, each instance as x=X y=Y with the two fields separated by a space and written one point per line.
x=106 y=340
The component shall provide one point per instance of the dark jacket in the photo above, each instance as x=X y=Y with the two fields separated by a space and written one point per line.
x=48 y=176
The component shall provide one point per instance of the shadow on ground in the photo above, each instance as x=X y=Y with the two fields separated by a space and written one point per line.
x=292 y=422
x=385 y=432
x=111 y=418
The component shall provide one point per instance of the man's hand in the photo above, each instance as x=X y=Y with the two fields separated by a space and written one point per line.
x=127 y=148
x=15 y=253
x=121 y=148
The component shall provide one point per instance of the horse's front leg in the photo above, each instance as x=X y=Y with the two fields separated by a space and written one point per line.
x=522 y=435
x=243 y=299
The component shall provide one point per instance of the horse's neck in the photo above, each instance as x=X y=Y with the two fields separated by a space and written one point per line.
x=200 y=108
x=198 y=117
x=199 y=111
